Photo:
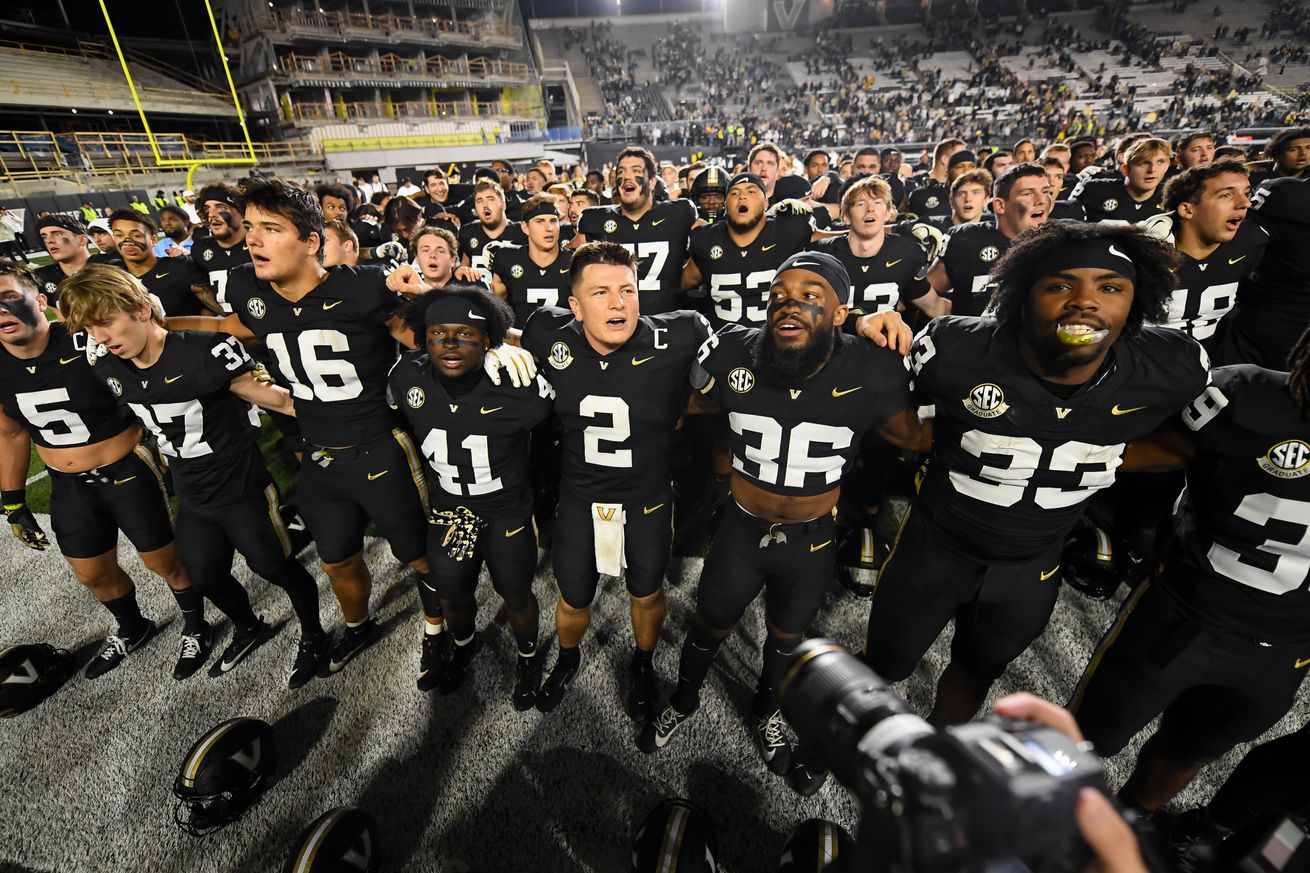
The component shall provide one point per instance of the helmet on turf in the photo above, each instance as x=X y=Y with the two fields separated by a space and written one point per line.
x=29 y=674
x=677 y=834
x=709 y=192
x=1090 y=562
x=860 y=555
x=341 y=840
x=813 y=845
x=224 y=774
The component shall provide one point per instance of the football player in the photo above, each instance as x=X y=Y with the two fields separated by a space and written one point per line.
x=1136 y=194
x=1219 y=640
x=176 y=282
x=886 y=268
x=935 y=176
x=474 y=435
x=331 y=336
x=736 y=258
x=102 y=480
x=536 y=274
x=340 y=245
x=1033 y=410
x=193 y=391
x=934 y=201
x=766 y=160
x=1271 y=311
x=998 y=162
x=492 y=225
x=581 y=199
x=799 y=395
x=225 y=247
x=1061 y=209
x=1021 y=199
x=1194 y=149
x=436 y=202
x=65 y=240
x=655 y=232
x=336 y=200
x=1289 y=150
x=436 y=256
x=709 y=191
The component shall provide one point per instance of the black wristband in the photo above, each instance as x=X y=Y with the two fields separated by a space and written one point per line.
x=12 y=500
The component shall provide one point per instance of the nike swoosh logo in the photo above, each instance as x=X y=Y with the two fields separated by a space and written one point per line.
x=510 y=533
x=820 y=545
x=637 y=362
x=69 y=360
x=647 y=510
x=564 y=269
x=766 y=248
x=161 y=275
x=486 y=411
x=473 y=315
x=327 y=306
x=657 y=223
x=889 y=264
x=1115 y=410
x=836 y=393
x=372 y=476
x=124 y=481
x=1301 y=662
x=1232 y=261
x=169 y=380
x=1049 y=573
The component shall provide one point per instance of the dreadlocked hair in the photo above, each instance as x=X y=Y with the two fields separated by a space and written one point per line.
x=1015 y=274
x=1298 y=376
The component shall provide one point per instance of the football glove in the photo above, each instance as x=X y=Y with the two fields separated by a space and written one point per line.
x=94 y=351
x=517 y=362
x=392 y=251
x=1091 y=171
x=790 y=206
x=930 y=239
x=1160 y=227
x=22 y=522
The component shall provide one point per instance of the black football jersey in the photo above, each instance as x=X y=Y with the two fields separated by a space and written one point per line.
x=800 y=439
x=477 y=444
x=432 y=209
x=1207 y=289
x=1275 y=293
x=171 y=280
x=880 y=282
x=1068 y=210
x=473 y=241
x=56 y=397
x=1013 y=463
x=933 y=199
x=50 y=276
x=617 y=411
x=1106 y=199
x=527 y=285
x=332 y=347
x=969 y=253
x=217 y=262
x=737 y=279
x=207 y=432
x=1244 y=539
x=658 y=239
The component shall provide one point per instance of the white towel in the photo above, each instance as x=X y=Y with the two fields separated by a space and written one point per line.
x=607 y=526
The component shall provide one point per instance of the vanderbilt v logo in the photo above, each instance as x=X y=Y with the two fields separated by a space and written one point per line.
x=1061 y=412
x=788 y=13
x=794 y=392
x=606 y=513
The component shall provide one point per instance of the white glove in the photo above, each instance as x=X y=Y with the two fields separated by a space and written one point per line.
x=94 y=350
x=517 y=362
x=1091 y=171
x=1160 y=227
x=392 y=251
x=930 y=239
x=790 y=206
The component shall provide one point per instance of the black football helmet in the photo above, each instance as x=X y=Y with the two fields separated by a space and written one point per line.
x=29 y=674
x=710 y=193
x=1092 y=564
x=223 y=775
x=860 y=549
x=813 y=845
x=341 y=840
x=676 y=835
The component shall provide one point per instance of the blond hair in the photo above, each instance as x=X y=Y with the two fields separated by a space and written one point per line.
x=98 y=292
x=874 y=185
x=1144 y=148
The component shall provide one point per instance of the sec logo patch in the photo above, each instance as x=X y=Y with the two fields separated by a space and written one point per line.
x=560 y=356
x=256 y=307
x=989 y=254
x=115 y=386
x=473 y=242
x=716 y=252
x=415 y=397
x=741 y=380
x=1287 y=460
x=516 y=271
x=986 y=400
x=611 y=226
x=932 y=202
x=1110 y=205
x=208 y=255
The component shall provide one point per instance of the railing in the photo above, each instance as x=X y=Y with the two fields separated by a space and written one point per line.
x=387 y=24
x=562 y=70
x=390 y=111
x=339 y=64
x=40 y=154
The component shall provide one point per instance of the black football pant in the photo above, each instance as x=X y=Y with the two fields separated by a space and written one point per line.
x=647 y=534
x=87 y=510
x=1273 y=778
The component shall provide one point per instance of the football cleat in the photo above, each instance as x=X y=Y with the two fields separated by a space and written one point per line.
x=641 y=690
x=806 y=777
x=310 y=653
x=244 y=641
x=115 y=649
x=353 y=641
x=223 y=775
x=556 y=686
x=775 y=748
x=656 y=733
x=31 y=673
x=432 y=661
x=194 y=652
x=457 y=665
x=1193 y=842
x=527 y=684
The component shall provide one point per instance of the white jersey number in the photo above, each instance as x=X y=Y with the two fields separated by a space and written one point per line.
x=344 y=384
x=767 y=461
x=1006 y=485
x=618 y=431
x=58 y=427
x=436 y=450
x=1287 y=553
x=156 y=415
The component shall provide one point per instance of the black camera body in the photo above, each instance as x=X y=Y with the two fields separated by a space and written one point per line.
x=950 y=800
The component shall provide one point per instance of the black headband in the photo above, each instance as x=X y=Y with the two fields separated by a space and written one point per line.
x=457 y=309
x=542 y=208
x=1099 y=253
x=827 y=267
x=746 y=178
